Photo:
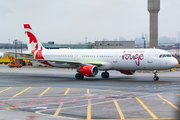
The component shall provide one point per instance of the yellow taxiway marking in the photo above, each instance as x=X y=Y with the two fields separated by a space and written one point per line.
x=98 y=103
x=89 y=110
x=168 y=102
x=145 y=107
x=88 y=91
x=160 y=84
x=138 y=119
x=118 y=109
x=58 y=110
x=67 y=91
x=21 y=92
x=45 y=91
x=5 y=89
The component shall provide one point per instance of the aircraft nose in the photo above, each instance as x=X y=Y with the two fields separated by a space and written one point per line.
x=174 y=62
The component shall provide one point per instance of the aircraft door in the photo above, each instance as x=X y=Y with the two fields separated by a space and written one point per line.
x=76 y=57
x=115 y=58
x=150 y=57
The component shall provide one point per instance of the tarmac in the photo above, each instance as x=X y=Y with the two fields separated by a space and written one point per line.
x=43 y=93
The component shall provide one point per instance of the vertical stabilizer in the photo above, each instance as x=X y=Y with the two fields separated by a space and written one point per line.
x=32 y=41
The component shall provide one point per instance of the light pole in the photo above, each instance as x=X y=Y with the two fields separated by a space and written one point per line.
x=144 y=42
x=21 y=48
x=15 y=48
x=178 y=52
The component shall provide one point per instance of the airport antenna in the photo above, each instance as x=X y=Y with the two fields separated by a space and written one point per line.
x=86 y=39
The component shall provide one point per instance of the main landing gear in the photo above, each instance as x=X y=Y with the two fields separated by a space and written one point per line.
x=155 y=78
x=105 y=74
x=79 y=76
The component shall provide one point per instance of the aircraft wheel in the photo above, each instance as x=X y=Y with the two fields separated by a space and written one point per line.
x=82 y=77
x=156 y=78
x=79 y=76
x=105 y=75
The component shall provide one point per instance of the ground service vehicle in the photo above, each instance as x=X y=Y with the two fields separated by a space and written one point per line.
x=6 y=59
x=12 y=65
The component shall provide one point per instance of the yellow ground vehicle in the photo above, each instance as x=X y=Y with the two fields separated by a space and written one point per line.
x=10 y=59
x=7 y=59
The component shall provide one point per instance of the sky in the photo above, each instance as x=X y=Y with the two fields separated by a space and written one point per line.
x=69 y=21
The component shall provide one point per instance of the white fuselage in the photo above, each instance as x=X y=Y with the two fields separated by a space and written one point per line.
x=113 y=59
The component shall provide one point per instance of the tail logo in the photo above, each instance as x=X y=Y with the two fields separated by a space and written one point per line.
x=34 y=45
x=32 y=41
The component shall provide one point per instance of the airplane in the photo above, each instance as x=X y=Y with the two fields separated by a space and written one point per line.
x=89 y=62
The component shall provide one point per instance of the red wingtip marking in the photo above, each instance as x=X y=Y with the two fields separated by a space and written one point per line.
x=27 y=26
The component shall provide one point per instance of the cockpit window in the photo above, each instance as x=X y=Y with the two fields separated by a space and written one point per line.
x=168 y=55
x=165 y=55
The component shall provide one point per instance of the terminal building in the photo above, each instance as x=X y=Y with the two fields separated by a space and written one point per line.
x=70 y=46
x=89 y=45
x=96 y=45
x=113 y=44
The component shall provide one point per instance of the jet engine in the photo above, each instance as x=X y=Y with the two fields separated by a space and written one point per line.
x=88 y=70
x=128 y=72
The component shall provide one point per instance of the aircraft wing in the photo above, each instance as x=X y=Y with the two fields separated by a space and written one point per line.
x=98 y=63
x=26 y=54
x=65 y=61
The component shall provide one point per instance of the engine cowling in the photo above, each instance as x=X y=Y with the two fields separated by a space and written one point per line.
x=128 y=72
x=88 y=70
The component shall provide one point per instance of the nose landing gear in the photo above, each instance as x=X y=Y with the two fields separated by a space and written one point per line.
x=155 y=78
